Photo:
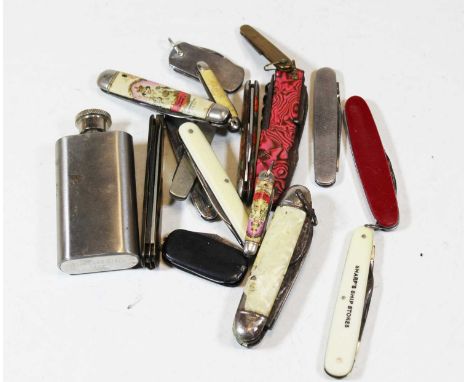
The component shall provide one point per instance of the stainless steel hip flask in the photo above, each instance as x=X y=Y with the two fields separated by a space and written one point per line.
x=97 y=225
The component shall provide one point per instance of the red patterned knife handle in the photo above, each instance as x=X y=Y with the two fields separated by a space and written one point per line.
x=284 y=114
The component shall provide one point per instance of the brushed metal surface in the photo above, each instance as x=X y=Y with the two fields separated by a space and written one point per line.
x=183 y=58
x=97 y=225
x=326 y=124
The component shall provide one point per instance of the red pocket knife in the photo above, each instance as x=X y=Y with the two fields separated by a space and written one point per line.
x=373 y=164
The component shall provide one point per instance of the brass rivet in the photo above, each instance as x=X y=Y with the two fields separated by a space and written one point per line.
x=190 y=131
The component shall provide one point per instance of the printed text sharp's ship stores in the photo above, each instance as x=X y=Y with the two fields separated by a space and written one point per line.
x=349 y=311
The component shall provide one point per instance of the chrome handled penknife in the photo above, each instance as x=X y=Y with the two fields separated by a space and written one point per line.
x=352 y=304
x=160 y=97
x=183 y=58
x=327 y=126
x=214 y=180
x=276 y=266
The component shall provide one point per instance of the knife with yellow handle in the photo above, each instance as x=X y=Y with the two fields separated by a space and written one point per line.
x=217 y=94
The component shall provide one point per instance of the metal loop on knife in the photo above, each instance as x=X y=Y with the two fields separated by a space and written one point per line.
x=376 y=227
x=176 y=48
x=284 y=64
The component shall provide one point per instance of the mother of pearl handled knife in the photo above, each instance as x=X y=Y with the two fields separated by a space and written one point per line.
x=214 y=180
x=160 y=97
x=276 y=266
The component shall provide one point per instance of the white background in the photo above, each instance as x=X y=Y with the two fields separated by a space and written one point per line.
x=404 y=57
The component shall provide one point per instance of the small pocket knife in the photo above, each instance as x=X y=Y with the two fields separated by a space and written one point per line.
x=327 y=126
x=217 y=94
x=249 y=142
x=152 y=196
x=284 y=113
x=373 y=165
x=197 y=194
x=276 y=266
x=206 y=256
x=215 y=181
x=352 y=304
x=183 y=58
x=161 y=98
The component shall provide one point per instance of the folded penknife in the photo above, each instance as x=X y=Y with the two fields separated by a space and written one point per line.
x=352 y=304
x=161 y=98
x=284 y=113
x=215 y=181
x=197 y=194
x=276 y=266
x=250 y=134
x=357 y=281
x=259 y=211
x=183 y=58
x=217 y=94
x=206 y=256
x=152 y=196
x=184 y=176
x=373 y=165
x=327 y=126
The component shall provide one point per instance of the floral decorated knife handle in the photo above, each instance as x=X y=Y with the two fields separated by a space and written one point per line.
x=160 y=97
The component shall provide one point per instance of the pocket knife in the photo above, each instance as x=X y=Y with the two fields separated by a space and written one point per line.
x=161 y=98
x=152 y=196
x=183 y=59
x=214 y=180
x=276 y=266
x=284 y=113
x=327 y=126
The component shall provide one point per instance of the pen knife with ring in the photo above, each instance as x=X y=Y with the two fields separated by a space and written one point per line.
x=357 y=281
x=284 y=113
x=183 y=59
